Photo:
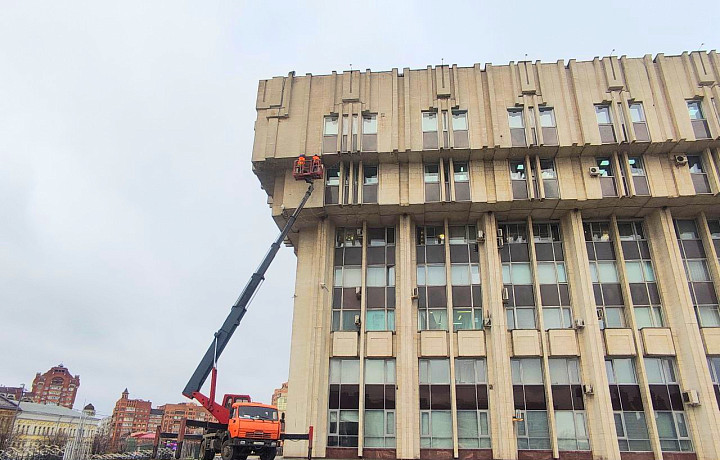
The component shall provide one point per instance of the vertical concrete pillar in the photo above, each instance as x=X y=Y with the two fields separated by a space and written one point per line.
x=600 y=418
x=704 y=420
x=407 y=400
x=500 y=391
x=308 y=375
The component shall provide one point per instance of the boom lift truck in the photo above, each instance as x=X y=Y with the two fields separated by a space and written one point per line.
x=244 y=428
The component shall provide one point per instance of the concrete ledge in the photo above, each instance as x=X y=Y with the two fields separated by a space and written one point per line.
x=711 y=339
x=619 y=342
x=434 y=343
x=563 y=342
x=526 y=342
x=657 y=341
x=470 y=343
x=344 y=343
x=379 y=344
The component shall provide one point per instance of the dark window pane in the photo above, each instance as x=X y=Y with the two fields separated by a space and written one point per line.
x=424 y=397
x=337 y=298
x=612 y=294
x=631 y=251
x=544 y=251
x=338 y=256
x=420 y=252
x=390 y=254
x=440 y=397
x=598 y=294
x=376 y=255
x=562 y=397
x=353 y=256
x=524 y=295
x=435 y=254
x=654 y=294
x=375 y=297
x=704 y=293
x=604 y=250
x=334 y=397
x=693 y=249
x=660 y=397
x=482 y=397
x=462 y=296
x=477 y=296
x=350 y=299
x=535 y=397
x=505 y=253
x=675 y=397
x=389 y=396
x=519 y=252
x=390 y=297
x=639 y=294
x=519 y=397
x=349 y=396
x=374 y=396
x=615 y=397
x=549 y=295
x=466 y=397
x=630 y=397
x=644 y=249
x=437 y=297
x=577 y=395
x=559 y=255
x=564 y=294
x=591 y=251
x=459 y=253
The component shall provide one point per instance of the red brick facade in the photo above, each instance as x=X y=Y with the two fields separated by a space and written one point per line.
x=173 y=413
x=129 y=416
x=56 y=386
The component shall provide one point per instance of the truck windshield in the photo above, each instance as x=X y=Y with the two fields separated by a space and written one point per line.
x=258 y=413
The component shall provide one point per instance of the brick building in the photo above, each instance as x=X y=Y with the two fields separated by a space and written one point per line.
x=279 y=397
x=16 y=393
x=155 y=418
x=129 y=416
x=173 y=413
x=56 y=386
x=503 y=261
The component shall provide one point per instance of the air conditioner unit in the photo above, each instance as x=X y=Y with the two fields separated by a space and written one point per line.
x=691 y=397
x=505 y=295
x=357 y=320
x=500 y=242
x=358 y=292
x=595 y=171
x=499 y=232
x=579 y=323
x=518 y=416
x=414 y=295
x=487 y=321
x=600 y=314
x=588 y=389
x=681 y=160
x=480 y=236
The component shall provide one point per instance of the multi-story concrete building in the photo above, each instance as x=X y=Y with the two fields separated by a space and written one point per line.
x=129 y=416
x=56 y=386
x=516 y=261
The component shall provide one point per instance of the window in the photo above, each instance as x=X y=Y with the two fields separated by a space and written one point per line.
x=379 y=403
x=431 y=278
x=668 y=405
x=330 y=133
x=639 y=178
x=517 y=127
x=529 y=395
x=435 y=414
x=714 y=365
x=607 y=176
x=549 y=179
x=369 y=132
x=552 y=278
x=380 y=280
x=698 y=174
x=472 y=403
x=460 y=129
x=702 y=290
x=697 y=119
x=429 y=129
x=630 y=422
x=432 y=182
x=568 y=404
x=549 y=128
x=465 y=277
x=461 y=179
x=370 y=183
x=518 y=177
x=517 y=277
x=344 y=400
x=605 y=123
x=347 y=279
x=604 y=275
x=637 y=116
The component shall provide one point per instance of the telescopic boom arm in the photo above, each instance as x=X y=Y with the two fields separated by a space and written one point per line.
x=237 y=312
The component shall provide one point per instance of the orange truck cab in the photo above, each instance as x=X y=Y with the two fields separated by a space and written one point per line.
x=254 y=429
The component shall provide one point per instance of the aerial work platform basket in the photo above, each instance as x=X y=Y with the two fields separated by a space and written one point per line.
x=308 y=169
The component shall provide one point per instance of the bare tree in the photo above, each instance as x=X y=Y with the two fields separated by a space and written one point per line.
x=6 y=428
x=101 y=443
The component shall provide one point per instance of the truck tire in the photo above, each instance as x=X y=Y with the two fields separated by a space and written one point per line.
x=205 y=453
x=229 y=451
x=268 y=454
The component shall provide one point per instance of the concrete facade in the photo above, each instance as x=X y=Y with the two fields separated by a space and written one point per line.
x=507 y=262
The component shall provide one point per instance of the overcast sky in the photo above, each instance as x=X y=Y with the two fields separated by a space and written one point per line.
x=130 y=219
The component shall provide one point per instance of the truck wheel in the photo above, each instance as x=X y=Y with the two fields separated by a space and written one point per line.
x=268 y=454
x=205 y=453
x=229 y=451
